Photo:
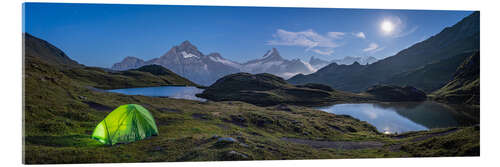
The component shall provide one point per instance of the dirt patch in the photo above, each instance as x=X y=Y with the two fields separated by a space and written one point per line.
x=237 y=120
x=223 y=126
x=346 y=145
x=169 y=110
x=201 y=116
x=95 y=89
x=283 y=107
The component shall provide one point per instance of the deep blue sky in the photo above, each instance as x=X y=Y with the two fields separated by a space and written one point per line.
x=101 y=35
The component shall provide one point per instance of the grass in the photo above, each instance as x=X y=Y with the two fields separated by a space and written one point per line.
x=60 y=114
x=463 y=142
x=464 y=87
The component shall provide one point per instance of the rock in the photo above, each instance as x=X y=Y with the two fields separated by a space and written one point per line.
x=157 y=148
x=244 y=145
x=241 y=139
x=82 y=97
x=234 y=155
x=215 y=136
x=226 y=140
x=283 y=107
x=238 y=120
x=201 y=116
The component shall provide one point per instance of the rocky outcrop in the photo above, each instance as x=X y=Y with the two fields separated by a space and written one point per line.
x=267 y=89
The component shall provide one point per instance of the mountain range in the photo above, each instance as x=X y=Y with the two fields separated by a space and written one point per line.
x=427 y=65
x=318 y=63
x=187 y=61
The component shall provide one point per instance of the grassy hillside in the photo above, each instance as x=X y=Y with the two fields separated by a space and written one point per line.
x=432 y=76
x=464 y=87
x=142 y=77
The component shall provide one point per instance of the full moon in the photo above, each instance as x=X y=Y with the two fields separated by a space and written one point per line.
x=387 y=26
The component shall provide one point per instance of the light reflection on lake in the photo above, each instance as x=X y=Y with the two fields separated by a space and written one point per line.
x=407 y=116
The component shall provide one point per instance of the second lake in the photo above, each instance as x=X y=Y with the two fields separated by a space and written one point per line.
x=407 y=116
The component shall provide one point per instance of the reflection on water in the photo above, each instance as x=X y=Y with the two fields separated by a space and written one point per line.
x=407 y=116
x=178 y=92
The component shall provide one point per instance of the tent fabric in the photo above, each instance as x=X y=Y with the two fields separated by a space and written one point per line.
x=127 y=123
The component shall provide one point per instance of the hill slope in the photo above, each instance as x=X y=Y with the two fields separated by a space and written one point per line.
x=464 y=88
x=432 y=76
x=37 y=48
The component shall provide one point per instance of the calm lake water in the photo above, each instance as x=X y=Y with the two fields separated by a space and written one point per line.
x=177 y=92
x=386 y=117
x=408 y=116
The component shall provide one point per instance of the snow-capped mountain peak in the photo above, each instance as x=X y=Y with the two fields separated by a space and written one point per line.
x=187 y=61
x=272 y=52
x=273 y=63
x=272 y=55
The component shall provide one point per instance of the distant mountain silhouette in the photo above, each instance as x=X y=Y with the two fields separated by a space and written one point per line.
x=318 y=63
x=37 y=48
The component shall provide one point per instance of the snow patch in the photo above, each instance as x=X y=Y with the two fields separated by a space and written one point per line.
x=224 y=61
x=269 y=53
x=188 y=55
x=288 y=75
x=309 y=66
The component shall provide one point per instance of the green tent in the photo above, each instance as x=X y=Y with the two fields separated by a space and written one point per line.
x=127 y=123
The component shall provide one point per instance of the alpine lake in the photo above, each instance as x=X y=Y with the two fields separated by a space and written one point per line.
x=387 y=117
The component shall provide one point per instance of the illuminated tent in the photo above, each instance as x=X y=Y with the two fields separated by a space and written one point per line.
x=127 y=123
